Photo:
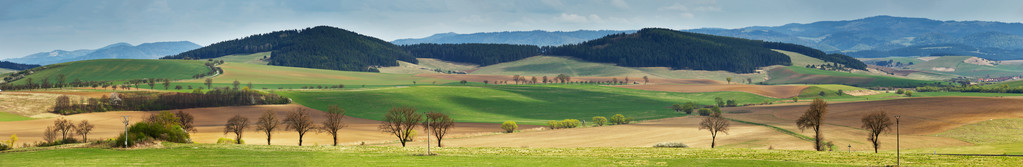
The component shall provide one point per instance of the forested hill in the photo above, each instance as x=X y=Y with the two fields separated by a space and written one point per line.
x=320 y=47
x=479 y=54
x=656 y=47
x=16 y=66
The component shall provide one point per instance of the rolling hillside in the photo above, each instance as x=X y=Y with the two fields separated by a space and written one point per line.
x=321 y=47
x=272 y=77
x=554 y=65
x=117 y=69
x=113 y=51
x=801 y=75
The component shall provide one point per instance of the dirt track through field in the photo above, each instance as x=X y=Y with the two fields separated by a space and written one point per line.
x=210 y=123
x=784 y=91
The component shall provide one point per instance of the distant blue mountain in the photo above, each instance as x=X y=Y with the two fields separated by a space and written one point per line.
x=113 y=51
x=536 y=37
x=893 y=36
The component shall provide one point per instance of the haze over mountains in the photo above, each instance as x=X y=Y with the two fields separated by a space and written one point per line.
x=113 y=51
x=878 y=36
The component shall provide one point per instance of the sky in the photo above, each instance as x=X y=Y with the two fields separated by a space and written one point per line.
x=30 y=26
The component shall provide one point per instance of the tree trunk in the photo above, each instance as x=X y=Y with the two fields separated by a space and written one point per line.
x=713 y=140
x=238 y=138
x=438 y=142
x=335 y=140
x=817 y=137
x=299 y=140
x=268 y=139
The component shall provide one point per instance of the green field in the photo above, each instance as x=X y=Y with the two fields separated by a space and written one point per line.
x=552 y=66
x=802 y=75
x=119 y=69
x=254 y=58
x=258 y=155
x=1000 y=131
x=4 y=70
x=293 y=77
x=12 y=117
x=533 y=104
x=800 y=59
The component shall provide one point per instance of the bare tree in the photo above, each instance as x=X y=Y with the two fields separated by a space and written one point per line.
x=645 y=79
x=334 y=122
x=152 y=83
x=63 y=126
x=166 y=84
x=714 y=124
x=83 y=129
x=876 y=123
x=813 y=119
x=438 y=124
x=235 y=84
x=209 y=83
x=400 y=121
x=300 y=122
x=236 y=124
x=185 y=121
x=267 y=123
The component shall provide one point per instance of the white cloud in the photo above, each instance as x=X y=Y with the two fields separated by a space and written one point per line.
x=574 y=18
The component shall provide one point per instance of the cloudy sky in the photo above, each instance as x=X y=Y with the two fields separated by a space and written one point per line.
x=39 y=26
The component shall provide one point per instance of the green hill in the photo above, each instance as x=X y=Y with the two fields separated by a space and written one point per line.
x=801 y=75
x=117 y=70
x=656 y=47
x=321 y=47
x=554 y=65
x=532 y=104
x=272 y=77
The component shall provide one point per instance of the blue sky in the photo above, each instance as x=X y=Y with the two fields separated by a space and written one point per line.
x=40 y=26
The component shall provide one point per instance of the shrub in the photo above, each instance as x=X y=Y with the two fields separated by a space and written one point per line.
x=4 y=146
x=900 y=91
x=148 y=131
x=731 y=103
x=552 y=124
x=619 y=119
x=720 y=102
x=704 y=112
x=509 y=126
x=569 y=123
x=224 y=140
x=909 y=93
x=671 y=145
x=599 y=120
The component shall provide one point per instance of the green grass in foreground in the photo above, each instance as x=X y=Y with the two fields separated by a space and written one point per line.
x=526 y=104
x=12 y=117
x=119 y=69
x=253 y=155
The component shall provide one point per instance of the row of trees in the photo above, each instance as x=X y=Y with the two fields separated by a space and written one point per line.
x=399 y=121
x=166 y=101
x=63 y=131
x=971 y=88
x=875 y=123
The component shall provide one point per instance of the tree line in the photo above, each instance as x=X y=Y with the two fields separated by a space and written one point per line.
x=16 y=66
x=844 y=60
x=166 y=101
x=971 y=88
x=321 y=47
x=473 y=53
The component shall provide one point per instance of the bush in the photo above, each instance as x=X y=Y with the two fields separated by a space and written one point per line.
x=552 y=124
x=224 y=140
x=704 y=112
x=147 y=131
x=569 y=123
x=509 y=126
x=671 y=145
x=900 y=91
x=599 y=120
x=909 y=93
x=618 y=119
x=4 y=146
x=731 y=103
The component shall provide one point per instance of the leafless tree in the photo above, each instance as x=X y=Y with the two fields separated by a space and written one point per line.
x=208 y=82
x=236 y=124
x=267 y=123
x=876 y=123
x=400 y=121
x=185 y=121
x=714 y=124
x=438 y=124
x=334 y=122
x=63 y=126
x=84 y=128
x=300 y=122
x=812 y=119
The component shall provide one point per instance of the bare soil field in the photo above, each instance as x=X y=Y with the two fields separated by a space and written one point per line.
x=784 y=91
x=633 y=79
x=643 y=134
x=35 y=105
x=210 y=123
x=921 y=118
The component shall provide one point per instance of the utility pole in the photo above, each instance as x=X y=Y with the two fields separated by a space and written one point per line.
x=125 y=130
x=898 y=158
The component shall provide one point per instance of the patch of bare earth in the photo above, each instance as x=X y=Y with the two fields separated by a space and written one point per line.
x=921 y=118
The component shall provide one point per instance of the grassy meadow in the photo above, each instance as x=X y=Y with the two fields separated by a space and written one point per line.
x=795 y=75
x=293 y=77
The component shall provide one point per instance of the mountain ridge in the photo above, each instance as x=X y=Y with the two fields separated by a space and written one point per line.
x=118 y=50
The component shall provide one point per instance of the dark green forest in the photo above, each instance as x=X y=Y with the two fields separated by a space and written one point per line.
x=16 y=66
x=480 y=54
x=657 y=47
x=847 y=61
x=321 y=47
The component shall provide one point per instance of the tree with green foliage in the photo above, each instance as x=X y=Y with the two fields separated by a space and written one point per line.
x=715 y=111
x=719 y=101
x=61 y=81
x=795 y=99
x=509 y=126
x=463 y=82
x=840 y=92
x=688 y=107
x=237 y=125
x=729 y=79
x=731 y=103
x=619 y=119
x=676 y=107
x=909 y=93
x=400 y=122
x=812 y=119
x=704 y=111
x=900 y=91
x=599 y=120
x=822 y=94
